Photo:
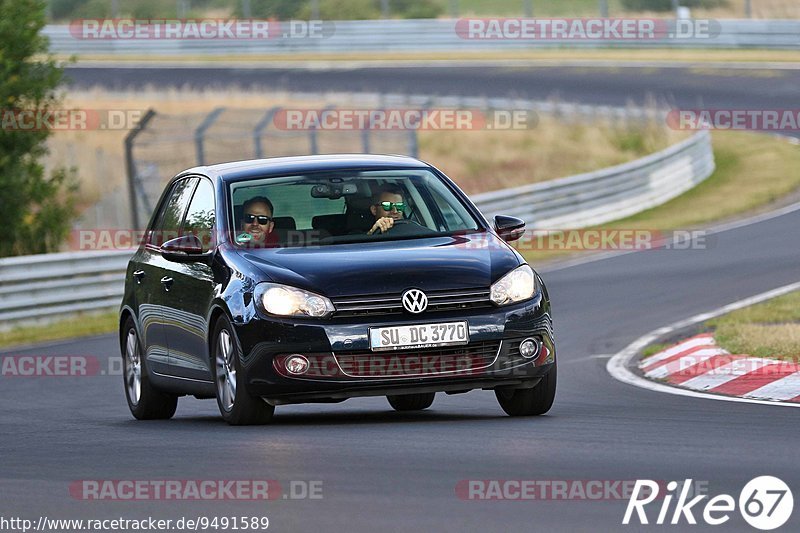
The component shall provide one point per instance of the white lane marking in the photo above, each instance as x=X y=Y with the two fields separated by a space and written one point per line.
x=618 y=365
x=725 y=373
x=683 y=363
x=785 y=388
x=703 y=340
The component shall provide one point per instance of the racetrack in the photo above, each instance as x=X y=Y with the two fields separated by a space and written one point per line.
x=387 y=471
x=688 y=87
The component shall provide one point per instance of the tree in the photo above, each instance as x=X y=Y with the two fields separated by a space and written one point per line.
x=36 y=209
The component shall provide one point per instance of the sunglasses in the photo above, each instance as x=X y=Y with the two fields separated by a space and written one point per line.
x=262 y=219
x=387 y=206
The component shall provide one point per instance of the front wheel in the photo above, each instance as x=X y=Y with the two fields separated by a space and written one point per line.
x=529 y=402
x=145 y=401
x=411 y=402
x=236 y=405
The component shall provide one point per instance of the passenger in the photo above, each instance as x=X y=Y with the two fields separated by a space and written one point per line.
x=258 y=223
x=387 y=206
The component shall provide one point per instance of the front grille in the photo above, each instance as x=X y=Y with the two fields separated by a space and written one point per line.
x=391 y=304
x=425 y=362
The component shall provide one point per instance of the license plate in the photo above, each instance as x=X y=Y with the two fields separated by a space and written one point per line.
x=418 y=336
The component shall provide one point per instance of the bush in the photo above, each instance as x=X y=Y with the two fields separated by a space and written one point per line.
x=416 y=9
x=37 y=210
x=279 y=9
x=666 y=5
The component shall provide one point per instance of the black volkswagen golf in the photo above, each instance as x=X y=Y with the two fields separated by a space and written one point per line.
x=323 y=278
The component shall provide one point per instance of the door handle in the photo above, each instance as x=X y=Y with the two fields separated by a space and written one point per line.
x=138 y=275
x=166 y=281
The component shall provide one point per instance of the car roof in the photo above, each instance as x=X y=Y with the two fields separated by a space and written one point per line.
x=254 y=168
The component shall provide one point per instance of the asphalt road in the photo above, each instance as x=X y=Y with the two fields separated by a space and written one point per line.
x=386 y=471
x=688 y=87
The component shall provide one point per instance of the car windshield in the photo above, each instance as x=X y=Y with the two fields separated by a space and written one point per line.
x=345 y=207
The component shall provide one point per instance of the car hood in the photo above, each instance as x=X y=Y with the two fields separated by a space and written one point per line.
x=387 y=267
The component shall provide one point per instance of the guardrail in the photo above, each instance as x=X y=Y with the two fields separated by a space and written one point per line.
x=607 y=194
x=41 y=287
x=423 y=35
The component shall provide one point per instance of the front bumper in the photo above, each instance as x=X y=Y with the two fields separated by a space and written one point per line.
x=345 y=366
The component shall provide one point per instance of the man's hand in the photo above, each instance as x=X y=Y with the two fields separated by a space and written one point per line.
x=382 y=224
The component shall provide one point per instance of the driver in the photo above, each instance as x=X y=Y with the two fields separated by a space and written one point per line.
x=258 y=223
x=387 y=206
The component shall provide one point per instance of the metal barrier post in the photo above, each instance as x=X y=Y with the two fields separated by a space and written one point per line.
x=259 y=129
x=130 y=165
x=312 y=134
x=201 y=131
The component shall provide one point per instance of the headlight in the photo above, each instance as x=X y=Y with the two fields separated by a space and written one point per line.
x=282 y=300
x=516 y=286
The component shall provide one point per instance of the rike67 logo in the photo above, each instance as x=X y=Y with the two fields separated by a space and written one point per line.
x=765 y=503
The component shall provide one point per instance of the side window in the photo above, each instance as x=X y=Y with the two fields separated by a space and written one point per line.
x=200 y=217
x=451 y=218
x=169 y=219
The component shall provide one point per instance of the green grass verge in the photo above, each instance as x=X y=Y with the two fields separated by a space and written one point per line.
x=546 y=55
x=79 y=326
x=753 y=171
x=769 y=329
x=654 y=349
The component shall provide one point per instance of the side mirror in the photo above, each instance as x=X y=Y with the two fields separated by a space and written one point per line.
x=509 y=228
x=184 y=249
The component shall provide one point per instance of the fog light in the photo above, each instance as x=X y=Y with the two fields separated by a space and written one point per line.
x=296 y=364
x=529 y=348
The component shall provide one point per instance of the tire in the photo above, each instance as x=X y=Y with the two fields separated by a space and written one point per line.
x=145 y=401
x=411 y=402
x=529 y=402
x=236 y=405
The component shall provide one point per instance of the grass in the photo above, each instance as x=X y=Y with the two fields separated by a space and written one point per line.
x=589 y=8
x=752 y=172
x=484 y=160
x=511 y=8
x=654 y=349
x=549 y=55
x=93 y=152
x=479 y=160
x=79 y=326
x=769 y=329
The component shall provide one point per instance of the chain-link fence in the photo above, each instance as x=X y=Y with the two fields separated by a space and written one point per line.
x=164 y=144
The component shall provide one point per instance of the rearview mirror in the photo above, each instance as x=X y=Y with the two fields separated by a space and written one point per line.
x=509 y=228
x=184 y=249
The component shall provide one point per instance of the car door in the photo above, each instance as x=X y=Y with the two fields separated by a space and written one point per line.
x=187 y=302
x=154 y=274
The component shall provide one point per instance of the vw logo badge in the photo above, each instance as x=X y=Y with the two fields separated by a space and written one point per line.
x=415 y=301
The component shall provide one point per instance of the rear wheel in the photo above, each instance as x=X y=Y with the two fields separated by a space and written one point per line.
x=411 y=402
x=236 y=405
x=145 y=401
x=529 y=402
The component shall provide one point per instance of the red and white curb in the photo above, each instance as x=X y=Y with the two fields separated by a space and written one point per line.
x=621 y=366
x=699 y=364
